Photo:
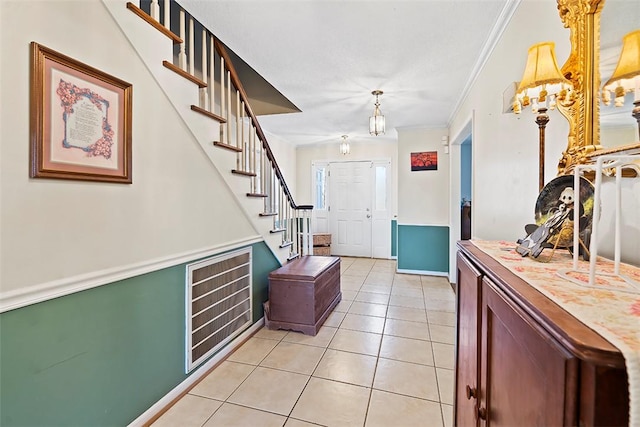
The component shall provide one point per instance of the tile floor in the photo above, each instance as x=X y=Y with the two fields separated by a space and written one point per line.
x=384 y=357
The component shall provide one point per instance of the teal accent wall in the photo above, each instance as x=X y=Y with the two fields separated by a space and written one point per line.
x=103 y=356
x=423 y=248
x=394 y=237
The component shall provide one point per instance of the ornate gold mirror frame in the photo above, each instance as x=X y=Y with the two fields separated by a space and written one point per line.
x=582 y=108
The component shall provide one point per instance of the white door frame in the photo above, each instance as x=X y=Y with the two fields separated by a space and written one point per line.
x=381 y=233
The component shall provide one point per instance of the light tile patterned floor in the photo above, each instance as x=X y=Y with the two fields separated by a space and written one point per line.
x=384 y=357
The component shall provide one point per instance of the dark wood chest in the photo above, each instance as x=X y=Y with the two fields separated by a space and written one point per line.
x=302 y=294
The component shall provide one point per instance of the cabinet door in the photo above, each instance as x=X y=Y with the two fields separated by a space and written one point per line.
x=527 y=377
x=468 y=322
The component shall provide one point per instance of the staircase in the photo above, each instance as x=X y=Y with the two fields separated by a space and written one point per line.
x=204 y=87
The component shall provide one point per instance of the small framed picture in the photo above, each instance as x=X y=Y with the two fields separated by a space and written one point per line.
x=80 y=120
x=424 y=161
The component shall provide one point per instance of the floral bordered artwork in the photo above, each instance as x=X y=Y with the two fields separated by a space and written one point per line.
x=80 y=120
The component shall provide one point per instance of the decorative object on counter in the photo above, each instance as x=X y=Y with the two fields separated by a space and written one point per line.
x=615 y=162
x=344 y=146
x=80 y=120
x=542 y=86
x=555 y=220
x=376 y=122
x=424 y=161
x=626 y=77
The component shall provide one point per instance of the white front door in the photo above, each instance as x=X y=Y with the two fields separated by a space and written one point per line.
x=350 y=208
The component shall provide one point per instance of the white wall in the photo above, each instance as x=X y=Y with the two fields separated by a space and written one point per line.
x=505 y=146
x=619 y=135
x=360 y=150
x=423 y=196
x=54 y=229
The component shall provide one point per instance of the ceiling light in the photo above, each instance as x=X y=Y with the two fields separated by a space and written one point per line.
x=344 y=145
x=376 y=122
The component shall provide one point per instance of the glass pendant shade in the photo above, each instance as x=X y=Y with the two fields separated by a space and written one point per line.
x=626 y=77
x=344 y=146
x=376 y=122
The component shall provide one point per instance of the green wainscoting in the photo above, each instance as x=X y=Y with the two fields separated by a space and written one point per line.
x=103 y=356
x=394 y=237
x=423 y=248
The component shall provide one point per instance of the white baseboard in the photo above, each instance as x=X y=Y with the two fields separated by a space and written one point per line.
x=185 y=385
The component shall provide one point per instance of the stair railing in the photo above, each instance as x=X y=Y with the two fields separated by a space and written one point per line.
x=223 y=98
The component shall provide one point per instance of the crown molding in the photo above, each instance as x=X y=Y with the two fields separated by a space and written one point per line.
x=498 y=29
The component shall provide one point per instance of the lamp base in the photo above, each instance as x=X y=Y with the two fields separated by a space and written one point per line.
x=542 y=119
x=636 y=114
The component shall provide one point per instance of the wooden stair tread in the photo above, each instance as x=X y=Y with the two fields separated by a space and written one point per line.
x=184 y=74
x=244 y=173
x=277 y=230
x=155 y=24
x=268 y=213
x=208 y=114
x=256 y=195
x=227 y=146
x=286 y=244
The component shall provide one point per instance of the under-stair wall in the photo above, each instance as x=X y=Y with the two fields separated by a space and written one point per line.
x=92 y=277
x=198 y=77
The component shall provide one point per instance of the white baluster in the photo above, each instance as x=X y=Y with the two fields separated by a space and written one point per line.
x=289 y=236
x=263 y=161
x=245 y=149
x=204 y=95
x=182 y=56
x=229 y=105
x=167 y=14
x=191 y=48
x=253 y=154
x=238 y=140
x=281 y=206
x=212 y=79
x=223 y=111
x=154 y=10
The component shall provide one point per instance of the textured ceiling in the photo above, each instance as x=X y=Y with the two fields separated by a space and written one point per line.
x=326 y=56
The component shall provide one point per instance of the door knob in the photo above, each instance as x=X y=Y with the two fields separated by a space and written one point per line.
x=482 y=414
x=368 y=216
x=471 y=392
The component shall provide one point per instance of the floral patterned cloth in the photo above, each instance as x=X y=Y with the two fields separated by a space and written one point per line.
x=611 y=307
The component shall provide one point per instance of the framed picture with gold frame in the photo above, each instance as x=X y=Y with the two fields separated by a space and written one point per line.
x=80 y=123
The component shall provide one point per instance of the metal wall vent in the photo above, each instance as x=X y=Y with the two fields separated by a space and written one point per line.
x=219 y=303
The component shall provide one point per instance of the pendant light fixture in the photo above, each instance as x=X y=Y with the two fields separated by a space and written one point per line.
x=344 y=146
x=376 y=122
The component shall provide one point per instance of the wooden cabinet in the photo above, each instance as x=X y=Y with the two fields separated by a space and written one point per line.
x=468 y=309
x=522 y=360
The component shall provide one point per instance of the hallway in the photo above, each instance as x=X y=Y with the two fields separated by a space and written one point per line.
x=384 y=357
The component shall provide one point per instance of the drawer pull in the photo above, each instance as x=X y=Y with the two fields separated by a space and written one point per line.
x=471 y=392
